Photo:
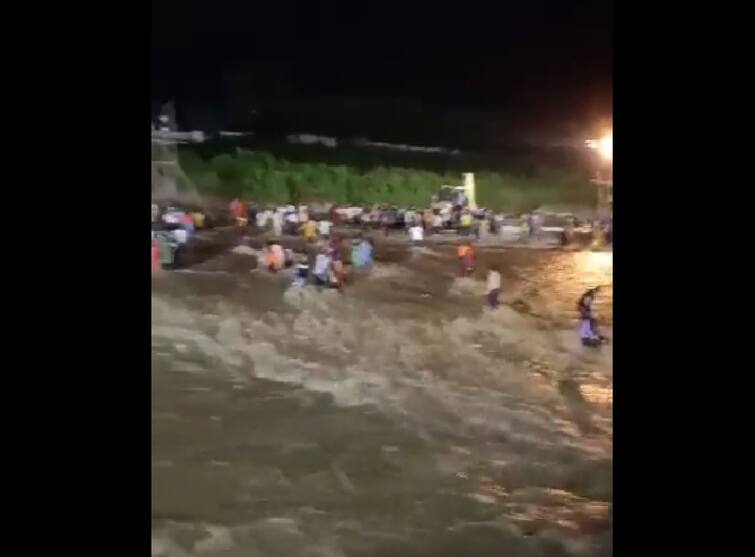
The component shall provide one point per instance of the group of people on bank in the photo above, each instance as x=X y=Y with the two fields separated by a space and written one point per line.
x=419 y=223
x=326 y=266
x=172 y=229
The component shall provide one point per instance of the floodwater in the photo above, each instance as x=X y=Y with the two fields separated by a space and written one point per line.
x=398 y=419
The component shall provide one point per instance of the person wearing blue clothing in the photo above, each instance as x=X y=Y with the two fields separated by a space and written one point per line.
x=361 y=254
x=588 y=325
x=300 y=275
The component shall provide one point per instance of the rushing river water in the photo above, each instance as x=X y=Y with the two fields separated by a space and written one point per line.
x=400 y=419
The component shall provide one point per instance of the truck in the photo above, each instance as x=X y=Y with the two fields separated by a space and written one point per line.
x=449 y=197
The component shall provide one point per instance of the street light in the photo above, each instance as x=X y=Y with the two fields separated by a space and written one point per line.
x=604 y=146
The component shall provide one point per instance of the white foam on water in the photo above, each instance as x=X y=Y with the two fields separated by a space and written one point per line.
x=388 y=271
x=417 y=251
x=466 y=370
x=246 y=250
x=467 y=286
x=219 y=539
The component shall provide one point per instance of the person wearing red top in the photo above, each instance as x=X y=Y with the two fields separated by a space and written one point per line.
x=466 y=259
x=238 y=212
x=335 y=218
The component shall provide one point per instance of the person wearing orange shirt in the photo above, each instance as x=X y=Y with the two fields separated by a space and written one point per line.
x=466 y=259
x=275 y=257
x=238 y=212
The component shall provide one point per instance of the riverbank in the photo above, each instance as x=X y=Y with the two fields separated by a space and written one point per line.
x=219 y=238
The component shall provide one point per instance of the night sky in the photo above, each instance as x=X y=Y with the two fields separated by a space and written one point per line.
x=539 y=62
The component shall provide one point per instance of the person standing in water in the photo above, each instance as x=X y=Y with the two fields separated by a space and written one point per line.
x=437 y=222
x=588 y=325
x=337 y=273
x=335 y=217
x=466 y=259
x=323 y=228
x=493 y=286
x=384 y=223
x=361 y=253
x=277 y=223
x=427 y=220
x=416 y=233
x=275 y=257
x=301 y=274
x=238 y=213
x=321 y=272
x=309 y=230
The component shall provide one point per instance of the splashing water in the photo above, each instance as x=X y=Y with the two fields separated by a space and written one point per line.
x=399 y=417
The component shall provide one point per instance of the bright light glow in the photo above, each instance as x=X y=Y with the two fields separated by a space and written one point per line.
x=604 y=146
x=597 y=263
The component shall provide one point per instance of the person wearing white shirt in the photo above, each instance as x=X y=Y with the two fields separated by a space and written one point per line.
x=493 y=286
x=409 y=218
x=277 y=223
x=303 y=212
x=416 y=233
x=323 y=263
x=291 y=225
x=323 y=228
x=262 y=219
x=180 y=235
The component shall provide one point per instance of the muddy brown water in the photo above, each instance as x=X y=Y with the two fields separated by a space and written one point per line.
x=400 y=418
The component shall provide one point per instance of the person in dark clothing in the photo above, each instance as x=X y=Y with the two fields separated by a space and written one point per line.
x=335 y=217
x=588 y=325
x=251 y=213
x=384 y=223
x=493 y=286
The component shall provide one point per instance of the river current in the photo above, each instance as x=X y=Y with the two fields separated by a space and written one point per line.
x=399 y=418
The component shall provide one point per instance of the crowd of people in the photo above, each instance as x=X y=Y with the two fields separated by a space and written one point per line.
x=325 y=266
x=417 y=223
x=172 y=229
x=420 y=223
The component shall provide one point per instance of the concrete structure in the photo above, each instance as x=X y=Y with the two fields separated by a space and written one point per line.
x=605 y=192
x=166 y=171
x=469 y=190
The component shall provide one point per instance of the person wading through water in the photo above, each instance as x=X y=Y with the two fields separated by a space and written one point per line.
x=321 y=271
x=588 y=325
x=275 y=257
x=466 y=259
x=384 y=223
x=493 y=286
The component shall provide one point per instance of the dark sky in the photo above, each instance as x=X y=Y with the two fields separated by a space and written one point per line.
x=537 y=60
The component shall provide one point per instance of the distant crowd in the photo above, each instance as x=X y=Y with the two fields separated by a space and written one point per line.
x=329 y=262
x=419 y=223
